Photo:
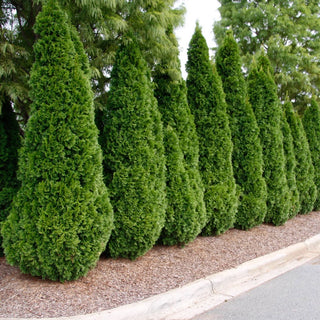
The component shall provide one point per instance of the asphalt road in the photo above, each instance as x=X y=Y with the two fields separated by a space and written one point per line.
x=294 y=295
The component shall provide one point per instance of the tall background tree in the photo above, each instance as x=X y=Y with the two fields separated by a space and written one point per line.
x=189 y=217
x=311 y=123
x=134 y=161
x=247 y=152
x=304 y=169
x=289 y=32
x=101 y=25
x=61 y=217
x=207 y=103
x=262 y=92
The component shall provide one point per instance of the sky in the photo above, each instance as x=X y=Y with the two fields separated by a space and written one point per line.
x=206 y=12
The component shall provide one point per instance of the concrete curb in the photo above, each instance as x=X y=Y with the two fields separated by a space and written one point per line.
x=199 y=296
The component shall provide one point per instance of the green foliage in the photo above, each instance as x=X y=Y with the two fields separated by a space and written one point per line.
x=134 y=159
x=101 y=25
x=9 y=144
x=181 y=225
x=262 y=92
x=247 y=152
x=186 y=215
x=291 y=164
x=288 y=31
x=207 y=103
x=311 y=123
x=61 y=218
x=304 y=169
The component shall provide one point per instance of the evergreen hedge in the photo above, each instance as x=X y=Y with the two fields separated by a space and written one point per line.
x=262 y=92
x=10 y=142
x=61 y=218
x=186 y=214
x=304 y=169
x=291 y=164
x=134 y=160
x=207 y=103
x=247 y=152
x=311 y=123
x=182 y=223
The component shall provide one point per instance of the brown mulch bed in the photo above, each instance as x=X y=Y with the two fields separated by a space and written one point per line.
x=117 y=282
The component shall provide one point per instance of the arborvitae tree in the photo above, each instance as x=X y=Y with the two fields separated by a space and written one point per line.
x=311 y=123
x=247 y=153
x=134 y=164
x=304 y=169
x=262 y=92
x=186 y=215
x=9 y=144
x=61 y=218
x=181 y=225
x=207 y=103
x=291 y=164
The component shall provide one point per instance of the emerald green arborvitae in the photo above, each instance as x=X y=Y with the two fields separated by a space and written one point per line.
x=61 y=217
x=262 y=92
x=181 y=225
x=134 y=160
x=186 y=215
x=291 y=164
x=207 y=103
x=304 y=169
x=311 y=123
x=247 y=152
x=9 y=144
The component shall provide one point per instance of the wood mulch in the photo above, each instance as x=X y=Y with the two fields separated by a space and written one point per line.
x=115 y=282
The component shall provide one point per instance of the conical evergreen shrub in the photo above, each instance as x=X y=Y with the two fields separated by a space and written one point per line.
x=10 y=142
x=291 y=164
x=247 y=152
x=304 y=169
x=186 y=213
x=207 y=103
x=262 y=92
x=134 y=159
x=311 y=124
x=181 y=225
x=61 y=218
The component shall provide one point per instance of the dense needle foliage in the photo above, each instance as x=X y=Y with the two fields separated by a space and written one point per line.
x=61 y=218
x=207 y=103
x=304 y=169
x=291 y=163
x=311 y=123
x=186 y=214
x=262 y=92
x=134 y=160
x=247 y=153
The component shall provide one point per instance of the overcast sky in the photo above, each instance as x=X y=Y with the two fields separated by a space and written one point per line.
x=206 y=12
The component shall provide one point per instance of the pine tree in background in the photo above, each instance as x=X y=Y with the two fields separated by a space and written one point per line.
x=61 y=218
x=304 y=169
x=134 y=159
x=262 y=92
x=291 y=164
x=311 y=123
x=186 y=215
x=10 y=142
x=207 y=103
x=247 y=152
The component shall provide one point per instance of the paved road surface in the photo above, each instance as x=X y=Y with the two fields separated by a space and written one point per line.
x=294 y=295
